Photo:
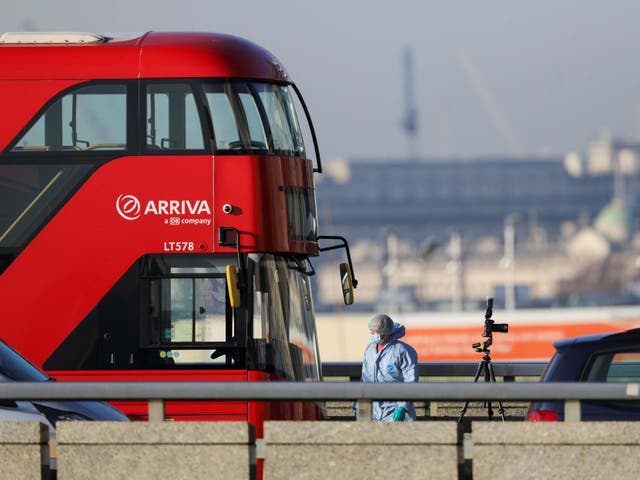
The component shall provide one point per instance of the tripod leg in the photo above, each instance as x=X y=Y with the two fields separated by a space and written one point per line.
x=463 y=411
x=487 y=378
x=479 y=370
x=492 y=377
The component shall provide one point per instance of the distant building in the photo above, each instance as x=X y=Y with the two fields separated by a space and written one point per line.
x=604 y=156
x=422 y=199
x=549 y=201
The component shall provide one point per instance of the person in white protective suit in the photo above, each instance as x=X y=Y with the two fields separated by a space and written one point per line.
x=386 y=359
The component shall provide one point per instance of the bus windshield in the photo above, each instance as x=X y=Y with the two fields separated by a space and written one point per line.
x=283 y=318
x=254 y=116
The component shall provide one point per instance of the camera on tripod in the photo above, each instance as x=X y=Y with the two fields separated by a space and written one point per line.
x=485 y=368
x=490 y=326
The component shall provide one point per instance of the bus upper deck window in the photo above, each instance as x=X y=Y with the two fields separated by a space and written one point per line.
x=227 y=132
x=282 y=119
x=253 y=117
x=90 y=118
x=172 y=118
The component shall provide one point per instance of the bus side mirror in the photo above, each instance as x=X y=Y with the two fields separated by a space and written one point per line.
x=232 y=286
x=347 y=283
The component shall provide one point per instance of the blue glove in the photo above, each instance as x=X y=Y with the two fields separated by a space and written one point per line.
x=398 y=414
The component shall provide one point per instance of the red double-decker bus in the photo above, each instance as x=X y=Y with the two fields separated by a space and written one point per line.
x=157 y=215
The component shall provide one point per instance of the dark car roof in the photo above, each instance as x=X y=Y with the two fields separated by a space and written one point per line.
x=632 y=335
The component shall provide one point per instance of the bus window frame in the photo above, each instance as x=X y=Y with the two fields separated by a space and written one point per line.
x=136 y=112
x=204 y=117
x=272 y=350
x=132 y=133
x=238 y=108
x=235 y=318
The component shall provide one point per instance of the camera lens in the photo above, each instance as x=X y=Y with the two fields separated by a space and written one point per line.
x=500 y=327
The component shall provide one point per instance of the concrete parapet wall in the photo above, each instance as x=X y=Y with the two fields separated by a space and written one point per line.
x=182 y=450
x=324 y=450
x=23 y=450
x=360 y=450
x=582 y=450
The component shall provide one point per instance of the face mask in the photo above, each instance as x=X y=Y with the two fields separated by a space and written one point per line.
x=375 y=338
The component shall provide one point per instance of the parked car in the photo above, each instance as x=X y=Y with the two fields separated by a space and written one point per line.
x=605 y=357
x=15 y=368
x=21 y=412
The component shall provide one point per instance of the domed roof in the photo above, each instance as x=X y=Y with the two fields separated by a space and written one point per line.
x=614 y=221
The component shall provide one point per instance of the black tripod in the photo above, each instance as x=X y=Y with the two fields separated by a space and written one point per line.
x=484 y=367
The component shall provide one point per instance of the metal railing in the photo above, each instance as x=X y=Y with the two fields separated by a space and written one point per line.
x=158 y=392
x=307 y=391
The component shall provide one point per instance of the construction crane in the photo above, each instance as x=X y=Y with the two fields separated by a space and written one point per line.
x=410 y=117
x=498 y=118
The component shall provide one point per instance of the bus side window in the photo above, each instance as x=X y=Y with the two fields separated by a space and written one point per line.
x=192 y=310
x=90 y=118
x=172 y=119
x=224 y=121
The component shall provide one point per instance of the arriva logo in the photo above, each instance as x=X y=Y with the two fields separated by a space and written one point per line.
x=130 y=208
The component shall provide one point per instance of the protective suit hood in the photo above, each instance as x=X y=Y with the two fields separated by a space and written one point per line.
x=397 y=332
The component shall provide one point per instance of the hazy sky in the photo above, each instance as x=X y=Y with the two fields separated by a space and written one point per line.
x=491 y=77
